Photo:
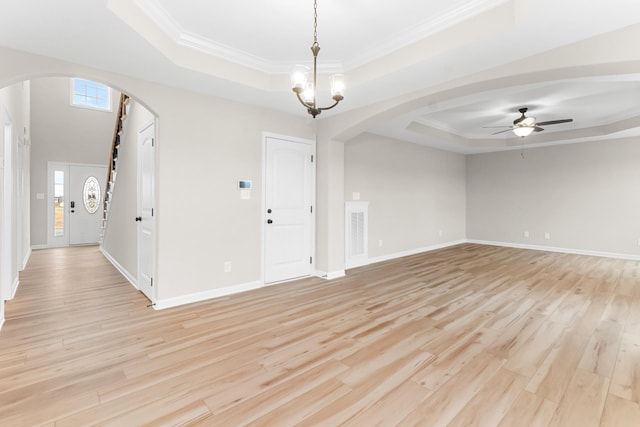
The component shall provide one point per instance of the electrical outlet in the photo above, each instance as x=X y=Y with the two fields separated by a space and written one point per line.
x=547 y=236
x=639 y=242
x=227 y=267
x=380 y=243
x=526 y=234
x=440 y=233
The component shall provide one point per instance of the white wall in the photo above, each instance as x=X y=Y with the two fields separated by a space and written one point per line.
x=62 y=133
x=414 y=192
x=584 y=195
x=120 y=239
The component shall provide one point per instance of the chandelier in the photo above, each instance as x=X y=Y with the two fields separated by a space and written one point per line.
x=304 y=89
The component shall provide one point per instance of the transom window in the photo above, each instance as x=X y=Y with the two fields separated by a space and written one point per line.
x=90 y=94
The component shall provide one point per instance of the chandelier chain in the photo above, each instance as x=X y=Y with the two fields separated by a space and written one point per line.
x=315 y=22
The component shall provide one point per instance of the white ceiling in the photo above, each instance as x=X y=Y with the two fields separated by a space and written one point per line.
x=243 y=50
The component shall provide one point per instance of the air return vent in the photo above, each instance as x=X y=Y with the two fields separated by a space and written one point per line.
x=356 y=228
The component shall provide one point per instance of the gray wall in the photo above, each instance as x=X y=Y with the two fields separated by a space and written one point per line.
x=120 y=239
x=413 y=193
x=62 y=133
x=586 y=196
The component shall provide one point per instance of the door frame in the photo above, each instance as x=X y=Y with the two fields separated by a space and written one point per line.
x=22 y=203
x=263 y=204
x=50 y=192
x=154 y=226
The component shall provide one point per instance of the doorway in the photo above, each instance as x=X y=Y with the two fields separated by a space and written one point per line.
x=289 y=216
x=74 y=199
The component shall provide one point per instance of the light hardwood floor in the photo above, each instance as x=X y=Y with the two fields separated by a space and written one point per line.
x=469 y=335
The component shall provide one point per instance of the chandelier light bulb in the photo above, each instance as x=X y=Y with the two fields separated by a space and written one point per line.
x=299 y=77
x=337 y=86
x=308 y=94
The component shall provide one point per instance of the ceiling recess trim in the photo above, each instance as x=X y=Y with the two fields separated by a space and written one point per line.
x=455 y=15
x=165 y=22
x=184 y=38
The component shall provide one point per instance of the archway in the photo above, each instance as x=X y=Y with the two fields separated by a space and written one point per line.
x=15 y=98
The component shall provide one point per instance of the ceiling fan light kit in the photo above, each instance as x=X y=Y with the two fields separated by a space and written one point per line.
x=525 y=126
x=306 y=90
x=523 y=131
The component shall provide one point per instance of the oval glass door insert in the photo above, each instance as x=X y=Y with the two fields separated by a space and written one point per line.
x=91 y=194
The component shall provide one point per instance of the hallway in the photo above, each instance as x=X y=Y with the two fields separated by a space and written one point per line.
x=64 y=334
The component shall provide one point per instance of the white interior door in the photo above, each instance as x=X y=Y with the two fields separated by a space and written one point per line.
x=146 y=219
x=288 y=209
x=20 y=197
x=86 y=187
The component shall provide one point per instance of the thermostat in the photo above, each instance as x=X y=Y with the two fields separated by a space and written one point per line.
x=244 y=185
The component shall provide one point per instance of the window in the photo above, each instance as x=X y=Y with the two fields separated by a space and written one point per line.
x=58 y=203
x=89 y=94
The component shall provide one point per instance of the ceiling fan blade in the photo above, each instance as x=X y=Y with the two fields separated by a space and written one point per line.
x=537 y=128
x=501 y=131
x=555 y=122
x=496 y=127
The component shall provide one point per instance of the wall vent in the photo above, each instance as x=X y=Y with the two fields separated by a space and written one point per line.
x=356 y=234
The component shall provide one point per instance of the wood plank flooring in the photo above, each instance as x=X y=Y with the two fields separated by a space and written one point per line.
x=465 y=336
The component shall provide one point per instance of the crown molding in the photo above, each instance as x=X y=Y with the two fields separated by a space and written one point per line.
x=426 y=28
x=163 y=20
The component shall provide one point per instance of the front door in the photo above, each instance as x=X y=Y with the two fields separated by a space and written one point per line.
x=146 y=218
x=288 y=209
x=85 y=202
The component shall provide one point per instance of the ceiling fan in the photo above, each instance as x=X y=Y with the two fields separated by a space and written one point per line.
x=524 y=126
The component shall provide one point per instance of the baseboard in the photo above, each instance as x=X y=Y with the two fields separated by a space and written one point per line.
x=26 y=259
x=330 y=276
x=14 y=287
x=38 y=247
x=402 y=254
x=556 y=249
x=1 y=322
x=161 y=304
x=120 y=268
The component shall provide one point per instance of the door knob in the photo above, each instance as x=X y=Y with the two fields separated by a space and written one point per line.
x=268 y=210
x=269 y=221
x=138 y=218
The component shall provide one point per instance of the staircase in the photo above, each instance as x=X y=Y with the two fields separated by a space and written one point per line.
x=113 y=160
